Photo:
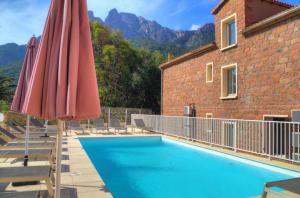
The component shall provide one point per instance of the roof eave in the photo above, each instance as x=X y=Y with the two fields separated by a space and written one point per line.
x=207 y=48
x=218 y=7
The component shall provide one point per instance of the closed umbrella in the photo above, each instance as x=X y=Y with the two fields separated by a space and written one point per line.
x=22 y=87
x=63 y=84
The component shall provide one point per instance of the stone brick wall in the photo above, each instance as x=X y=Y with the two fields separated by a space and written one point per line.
x=268 y=73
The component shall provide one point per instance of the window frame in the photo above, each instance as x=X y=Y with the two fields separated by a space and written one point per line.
x=209 y=114
x=224 y=33
x=224 y=85
x=211 y=64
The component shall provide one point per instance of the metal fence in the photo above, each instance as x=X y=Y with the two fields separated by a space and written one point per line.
x=121 y=113
x=280 y=140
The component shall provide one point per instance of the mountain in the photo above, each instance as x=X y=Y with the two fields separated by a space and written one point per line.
x=150 y=34
x=93 y=18
x=11 y=53
x=11 y=58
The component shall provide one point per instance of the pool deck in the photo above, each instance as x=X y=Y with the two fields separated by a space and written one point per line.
x=80 y=175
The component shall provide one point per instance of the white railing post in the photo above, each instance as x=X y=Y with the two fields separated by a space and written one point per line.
x=108 y=117
x=269 y=140
x=235 y=137
x=126 y=117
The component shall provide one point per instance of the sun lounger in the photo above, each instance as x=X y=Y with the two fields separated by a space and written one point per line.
x=139 y=123
x=36 y=154
x=28 y=174
x=291 y=185
x=25 y=194
x=64 y=193
x=2 y=142
x=99 y=125
x=35 y=126
x=36 y=123
x=12 y=122
x=14 y=138
x=4 y=145
x=32 y=154
x=116 y=126
x=21 y=132
x=75 y=126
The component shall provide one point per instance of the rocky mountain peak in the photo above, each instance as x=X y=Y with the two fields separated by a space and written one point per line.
x=93 y=18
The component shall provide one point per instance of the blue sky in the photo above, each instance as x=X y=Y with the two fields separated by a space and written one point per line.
x=19 y=19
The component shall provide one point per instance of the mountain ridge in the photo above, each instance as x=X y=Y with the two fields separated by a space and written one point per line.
x=136 y=28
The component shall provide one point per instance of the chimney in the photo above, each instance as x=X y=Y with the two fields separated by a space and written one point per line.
x=170 y=57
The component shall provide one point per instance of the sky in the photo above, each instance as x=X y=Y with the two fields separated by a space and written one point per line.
x=20 y=19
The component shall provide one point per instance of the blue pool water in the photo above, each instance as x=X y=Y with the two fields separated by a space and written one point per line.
x=154 y=167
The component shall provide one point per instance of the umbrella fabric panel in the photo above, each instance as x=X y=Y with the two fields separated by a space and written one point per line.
x=25 y=74
x=63 y=83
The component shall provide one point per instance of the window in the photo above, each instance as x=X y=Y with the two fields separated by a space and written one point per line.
x=209 y=72
x=228 y=32
x=231 y=84
x=229 y=81
x=209 y=115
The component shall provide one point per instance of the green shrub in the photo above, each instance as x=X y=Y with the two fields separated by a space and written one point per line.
x=4 y=106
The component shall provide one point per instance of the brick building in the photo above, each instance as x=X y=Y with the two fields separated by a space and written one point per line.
x=251 y=71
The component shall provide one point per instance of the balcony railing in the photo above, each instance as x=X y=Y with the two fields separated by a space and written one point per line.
x=280 y=140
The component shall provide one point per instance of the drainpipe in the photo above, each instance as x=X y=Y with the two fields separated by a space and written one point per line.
x=161 y=92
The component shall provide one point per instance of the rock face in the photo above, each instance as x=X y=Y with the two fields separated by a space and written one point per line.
x=136 y=28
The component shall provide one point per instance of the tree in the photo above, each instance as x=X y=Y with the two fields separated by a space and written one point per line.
x=6 y=92
x=6 y=88
x=127 y=76
x=147 y=79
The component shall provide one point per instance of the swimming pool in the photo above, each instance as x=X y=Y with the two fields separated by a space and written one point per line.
x=155 y=167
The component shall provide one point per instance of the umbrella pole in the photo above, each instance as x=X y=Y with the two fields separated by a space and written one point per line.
x=46 y=130
x=26 y=141
x=60 y=125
